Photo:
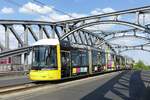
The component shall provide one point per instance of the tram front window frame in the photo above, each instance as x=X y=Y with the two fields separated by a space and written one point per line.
x=44 y=57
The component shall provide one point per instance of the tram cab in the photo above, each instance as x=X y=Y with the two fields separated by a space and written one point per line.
x=46 y=64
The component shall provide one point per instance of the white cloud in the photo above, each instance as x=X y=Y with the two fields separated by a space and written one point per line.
x=7 y=10
x=30 y=8
x=60 y=17
x=54 y=16
x=102 y=11
x=104 y=26
x=77 y=15
x=108 y=10
x=96 y=11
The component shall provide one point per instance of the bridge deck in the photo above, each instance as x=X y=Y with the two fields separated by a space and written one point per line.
x=13 y=80
x=132 y=85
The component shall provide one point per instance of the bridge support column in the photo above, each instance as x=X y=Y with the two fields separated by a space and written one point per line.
x=25 y=61
x=53 y=32
x=7 y=37
x=25 y=36
x=40 y=32
x=90 y=60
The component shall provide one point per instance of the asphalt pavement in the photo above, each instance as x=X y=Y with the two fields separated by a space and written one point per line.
x=14 y=80
x=126 y=85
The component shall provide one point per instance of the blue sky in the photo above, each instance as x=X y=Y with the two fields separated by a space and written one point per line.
x=76 y=8
x=72 y=6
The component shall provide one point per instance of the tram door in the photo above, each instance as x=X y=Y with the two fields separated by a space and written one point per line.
x=65 y=63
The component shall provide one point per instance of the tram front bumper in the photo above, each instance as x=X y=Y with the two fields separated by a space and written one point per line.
x=41 y=75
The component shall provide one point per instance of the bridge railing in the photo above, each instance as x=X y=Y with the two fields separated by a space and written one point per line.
x=7 y=69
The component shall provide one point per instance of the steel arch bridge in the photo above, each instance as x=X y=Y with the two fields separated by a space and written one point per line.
x=77 y=31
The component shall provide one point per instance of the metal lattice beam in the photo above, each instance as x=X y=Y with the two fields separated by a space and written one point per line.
x=76 y=30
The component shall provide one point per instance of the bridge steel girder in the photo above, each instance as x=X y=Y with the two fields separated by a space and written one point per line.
x=92 y=38
x=87 y=38
x=16 y=35
x=69 y=29
x=123 y=48
x=2 y=46
x=109 y=33
x=132 y=50
x=142 y=28
x=33 y=34
x=81 y=23
x=136 y=11
x=7 y=31
x=125 y=36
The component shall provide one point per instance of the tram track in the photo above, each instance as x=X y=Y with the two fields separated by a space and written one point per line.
x=21 y=87
x=38 y=84
x=4 y=90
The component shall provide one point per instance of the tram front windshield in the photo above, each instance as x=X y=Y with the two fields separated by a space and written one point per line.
x=44 y=57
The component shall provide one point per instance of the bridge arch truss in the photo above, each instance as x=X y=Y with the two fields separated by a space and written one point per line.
x=76 y=31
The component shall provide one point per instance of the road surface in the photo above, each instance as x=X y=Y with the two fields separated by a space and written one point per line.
x=126 y=85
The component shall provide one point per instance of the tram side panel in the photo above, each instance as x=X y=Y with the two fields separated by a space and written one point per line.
x=117 y=62
x=96 y=65
x=122 y=62
x=103 y=60
x=110 y=62
x=79 y=62
x=66 y=63
x=113 y=61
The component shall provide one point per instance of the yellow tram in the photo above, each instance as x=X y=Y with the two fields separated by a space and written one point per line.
x=54 y=60
x=46 y=61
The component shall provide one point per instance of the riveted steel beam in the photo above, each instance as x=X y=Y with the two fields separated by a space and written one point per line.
x=121 y=51
x=7 y=32
x=46 y=32
x=16 y=35
x=2 y=46
x=40 y=32
x=117 y=13
x=26 y=33
x=33 y=34
x=107 y=22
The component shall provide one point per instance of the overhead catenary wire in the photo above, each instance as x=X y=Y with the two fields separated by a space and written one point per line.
x=60 y=11
x=43 y=4
x=19 y=5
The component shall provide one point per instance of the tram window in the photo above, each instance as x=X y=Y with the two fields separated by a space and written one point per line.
x=84 y=58
x=35 y=58
x=75 y=57
x=50 y=56
x=44 y=56
x=103 y=58
x=96 y=58
x=109 y=57
x=65 y=58
x=38 y=58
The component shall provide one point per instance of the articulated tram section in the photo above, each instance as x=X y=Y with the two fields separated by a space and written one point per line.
x=55 y=60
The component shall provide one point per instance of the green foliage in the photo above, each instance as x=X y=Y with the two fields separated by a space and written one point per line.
x=141 y=66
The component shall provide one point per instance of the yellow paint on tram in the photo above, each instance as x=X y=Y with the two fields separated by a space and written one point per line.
x=48 y=74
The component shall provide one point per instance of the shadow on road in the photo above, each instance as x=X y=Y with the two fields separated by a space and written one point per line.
x=129 y=85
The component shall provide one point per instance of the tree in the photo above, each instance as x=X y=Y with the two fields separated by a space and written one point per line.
x=141 y=66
